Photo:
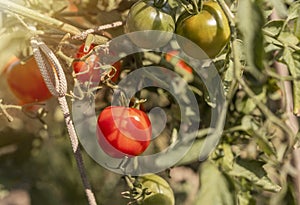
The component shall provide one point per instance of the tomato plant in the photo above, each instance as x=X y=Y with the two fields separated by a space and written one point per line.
x=89 y=69
x=148 y=15
x=256 y=158
x=123 y=131
x=209 y=29
x=26 y=81
x=159 y=189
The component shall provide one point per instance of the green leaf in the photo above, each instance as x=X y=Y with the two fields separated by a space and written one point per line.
x=274 y=27
x=297 y=27
x=251 y=21
x=228 y=158
x=287 y=195
x=248 y=123
x=245 y=198
x=193 y=154
x=264 y=145
x=288 y=38
x=293 y=11
x=215 y=188
x=280 y=8
x=274 y=44
x=253 y=171
x=294 y=68
x=247 y=105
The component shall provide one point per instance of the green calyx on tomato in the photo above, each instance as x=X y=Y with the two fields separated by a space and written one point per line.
x=123 y=131
x=145 y=16
x=158 y=191
x=89 y=70
x=26 y=82
x=209 y=29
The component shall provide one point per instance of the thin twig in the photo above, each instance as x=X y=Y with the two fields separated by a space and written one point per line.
x=3 y=109
x=85 y=33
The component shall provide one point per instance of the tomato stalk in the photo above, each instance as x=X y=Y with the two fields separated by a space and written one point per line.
x=160 y=3
x=4 y=108
x=195 y=4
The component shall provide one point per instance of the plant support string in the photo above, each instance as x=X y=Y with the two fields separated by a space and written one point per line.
x=56 y=82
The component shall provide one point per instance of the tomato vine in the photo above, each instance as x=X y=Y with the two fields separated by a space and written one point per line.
x=255 y=48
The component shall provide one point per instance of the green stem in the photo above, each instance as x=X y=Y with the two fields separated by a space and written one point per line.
x=234 y=129
x=234 y=48
x=160 y=3
x=3 y=110
x=195 y=6
x=185 y=4
x=292 y=46
x=238 y=72
x=41 y=18
x=266 y=110
x=280 y=77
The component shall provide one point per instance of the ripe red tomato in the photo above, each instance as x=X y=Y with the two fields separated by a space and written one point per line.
x=26 y=81
x=123 y=131
x=180 y=66
x=171 y=56
x=209 y=29
x=87 y=70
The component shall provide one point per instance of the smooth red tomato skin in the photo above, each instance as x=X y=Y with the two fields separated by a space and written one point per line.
x=87 y=70
x=123 y=131
x=26 y=82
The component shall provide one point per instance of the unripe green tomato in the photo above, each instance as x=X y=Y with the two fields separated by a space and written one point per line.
x=209 y=29
x=161 y=192
x=144 y=16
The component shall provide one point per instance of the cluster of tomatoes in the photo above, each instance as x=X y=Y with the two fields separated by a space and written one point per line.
x=207 y=27
x=122 y=131
x=127 y=131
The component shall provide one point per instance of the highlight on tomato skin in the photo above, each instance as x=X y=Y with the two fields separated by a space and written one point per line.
x=26 y=82
x=89 y=69
x=13 y=60
x=123 y=131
